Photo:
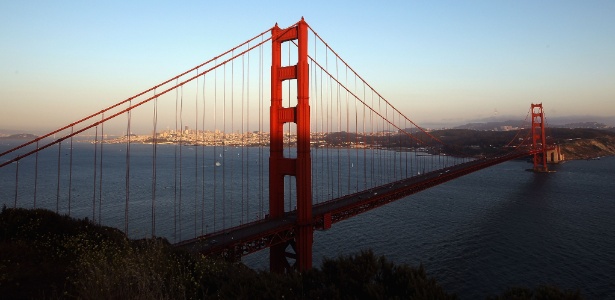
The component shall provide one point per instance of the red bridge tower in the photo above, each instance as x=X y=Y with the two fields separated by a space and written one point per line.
x=539 y=140
x=299 y=167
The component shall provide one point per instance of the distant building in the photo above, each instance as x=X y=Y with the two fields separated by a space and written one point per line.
x=506 y=128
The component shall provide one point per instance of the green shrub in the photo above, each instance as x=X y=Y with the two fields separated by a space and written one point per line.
x=45 y=255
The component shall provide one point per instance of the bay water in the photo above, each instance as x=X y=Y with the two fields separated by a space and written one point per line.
x=477 y=235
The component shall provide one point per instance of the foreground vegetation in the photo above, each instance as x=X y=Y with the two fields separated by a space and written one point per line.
x=45 y=255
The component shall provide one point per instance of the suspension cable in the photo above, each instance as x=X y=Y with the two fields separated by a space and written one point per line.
x=179 y=84
x=128 y=100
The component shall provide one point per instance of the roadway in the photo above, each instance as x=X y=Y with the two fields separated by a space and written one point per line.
x=251 y=237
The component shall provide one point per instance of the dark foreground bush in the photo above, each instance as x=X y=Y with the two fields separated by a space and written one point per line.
x=45 y=255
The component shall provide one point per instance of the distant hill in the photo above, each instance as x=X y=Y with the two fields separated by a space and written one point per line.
x=495 y=125
x=568 y=120
x=577 y=143
x=592 y=125
x=478 y=137
x=19 y=136
x=514 y=125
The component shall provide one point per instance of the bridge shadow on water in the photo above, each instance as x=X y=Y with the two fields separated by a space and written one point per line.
x=526 y=230
x=495 y=249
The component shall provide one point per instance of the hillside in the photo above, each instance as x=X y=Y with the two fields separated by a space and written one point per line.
x=44 y=255
x=577 y=143
x=588 y=148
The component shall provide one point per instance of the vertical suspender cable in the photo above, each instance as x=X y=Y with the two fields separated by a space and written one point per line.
x=400 y=147
x=248 y=195
x=348 y=164
x=390 y=140
x=154 y=163
x=36 y=174
x=215 y=142
x=433 y=158
x=17 y=183
x=385 y=153
x=224 y=150
x=70 y=171
x=394 y=140
x=233 y=159
x=373 y=149
x=439 y=157
x=203 y=162
x=95 y=172
x=263 y=111
x=412 y=157
x=399 y=150
x=100 y=177
x=175 y=165
x=356 y=136
x=380 y=152
x=364 y=139
x=260 y=135
x=339 y=129
x=391 y=151
x=231 y=162
x=392 y=154
x=406 y=150
x=324 y=119
x=58 y=183
x=128 y=133
x=314 y=131
x=243 y=144
x=329 y=120
x=387 y=135
x=181 y=144
x=416 y=158
x=196 y=152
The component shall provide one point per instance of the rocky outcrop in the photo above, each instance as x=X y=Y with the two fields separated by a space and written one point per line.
x=588 y=148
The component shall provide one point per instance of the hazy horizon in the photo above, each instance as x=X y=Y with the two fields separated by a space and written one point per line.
x=609 y=121
x=442 y=62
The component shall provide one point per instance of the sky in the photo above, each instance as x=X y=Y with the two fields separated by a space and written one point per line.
x=437 y=61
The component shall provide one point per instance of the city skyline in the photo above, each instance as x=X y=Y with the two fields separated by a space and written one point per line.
x=440 y=63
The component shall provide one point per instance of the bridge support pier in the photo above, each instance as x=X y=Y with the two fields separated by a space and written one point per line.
x=299 y=167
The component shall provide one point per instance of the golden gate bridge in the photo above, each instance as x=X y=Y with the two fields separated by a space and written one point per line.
x=217 y=181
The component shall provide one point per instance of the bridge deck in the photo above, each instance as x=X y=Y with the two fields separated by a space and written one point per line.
x=248 y=238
